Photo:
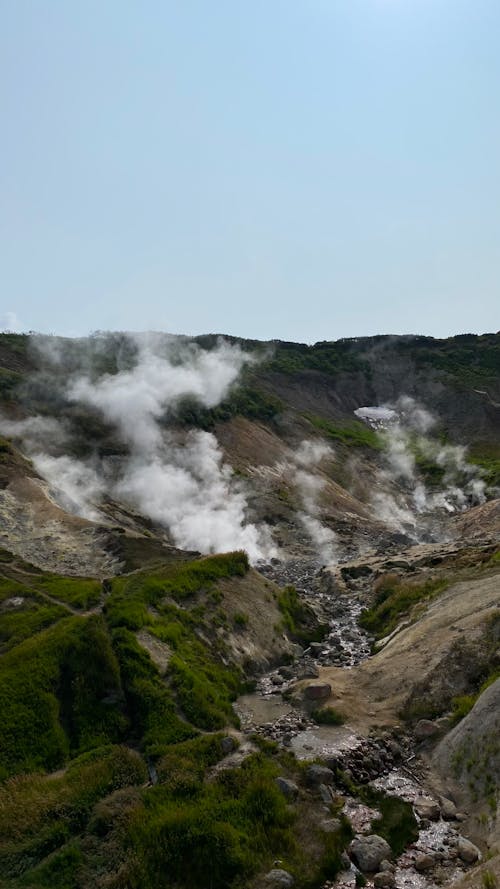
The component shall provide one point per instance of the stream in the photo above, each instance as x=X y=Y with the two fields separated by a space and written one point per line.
x=383 y=761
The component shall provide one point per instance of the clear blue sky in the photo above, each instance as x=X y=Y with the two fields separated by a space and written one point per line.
x=294 y=169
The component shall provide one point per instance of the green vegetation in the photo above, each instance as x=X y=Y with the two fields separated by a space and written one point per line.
x=397 y=823
x=327 y=716
x=244 y=400
x=9 y=381
x=353 y=433
x=53 y=691
x=487 y=457
x=298 y=619
x=395 y=598
x=489 y=880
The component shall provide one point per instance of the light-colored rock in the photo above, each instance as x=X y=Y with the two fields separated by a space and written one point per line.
x=279 y=878
x=448 y=808
x=425 y=807
x=387 y=865
x=384 y=880
x=467 y=851
x=369 y=851
x=288 y=788
x=317 y=775
x=424 y=862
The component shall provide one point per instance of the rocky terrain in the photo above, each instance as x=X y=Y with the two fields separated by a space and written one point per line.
x=249 y=606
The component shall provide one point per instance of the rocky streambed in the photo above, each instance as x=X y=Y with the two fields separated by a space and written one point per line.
x=385 y=762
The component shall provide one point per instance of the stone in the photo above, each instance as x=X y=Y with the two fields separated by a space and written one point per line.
x=287 y=672
x=427 y=808
x=345 y=861
x=425 y=729
x=467 y=851
x=384 y=880
x=307 y=671
x=279 y=878
x=448 y=808
x=316 y=775
x=318 y=691
x=316 y=648
x=424 y=862
x=387 y=865
x=325 y=794
x=288 y=788
x=228 y=744
x=368 y=851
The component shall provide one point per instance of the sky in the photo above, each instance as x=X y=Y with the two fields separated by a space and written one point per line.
x=275 y=169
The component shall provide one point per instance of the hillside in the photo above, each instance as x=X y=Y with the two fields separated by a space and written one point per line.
x=222 y=560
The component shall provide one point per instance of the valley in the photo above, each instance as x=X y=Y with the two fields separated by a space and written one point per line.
x=250 y=606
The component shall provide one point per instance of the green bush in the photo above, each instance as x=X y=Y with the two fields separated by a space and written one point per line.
x=393 y=599
x=327 y=716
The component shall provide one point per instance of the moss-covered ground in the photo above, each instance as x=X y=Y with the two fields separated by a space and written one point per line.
x=88 y=718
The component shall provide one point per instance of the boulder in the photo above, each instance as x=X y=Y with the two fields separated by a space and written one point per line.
x=279 y=878
x=427 y=808
x=288 y=788
x=368 y=851
x=316 y=775
x=318 y=691
x=384 y=880
x=448 y=808
x=228 y=744
x=325 y=794
x=467 y=851
x=424 y=862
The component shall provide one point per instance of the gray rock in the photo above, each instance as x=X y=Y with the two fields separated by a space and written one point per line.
x=318 y=691
x=424 y=862
x=307 y=671
x=287 y=672
x=384 y=880
x=316 y=648
x=368 y=851
x=279 y=878
x=288 y=788
x=448 y=808
x=427 y=808
x=316 y=775
x=387 y=865
x=325 y=794
x=228 y=744
x=345 y=861
x=467 y=851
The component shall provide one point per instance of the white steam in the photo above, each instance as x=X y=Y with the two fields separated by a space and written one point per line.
x=406 y=428
x=309 y=487
x=179 y=482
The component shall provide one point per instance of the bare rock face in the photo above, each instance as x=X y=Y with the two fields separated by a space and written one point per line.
x=369 y=851
x=318 y=691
